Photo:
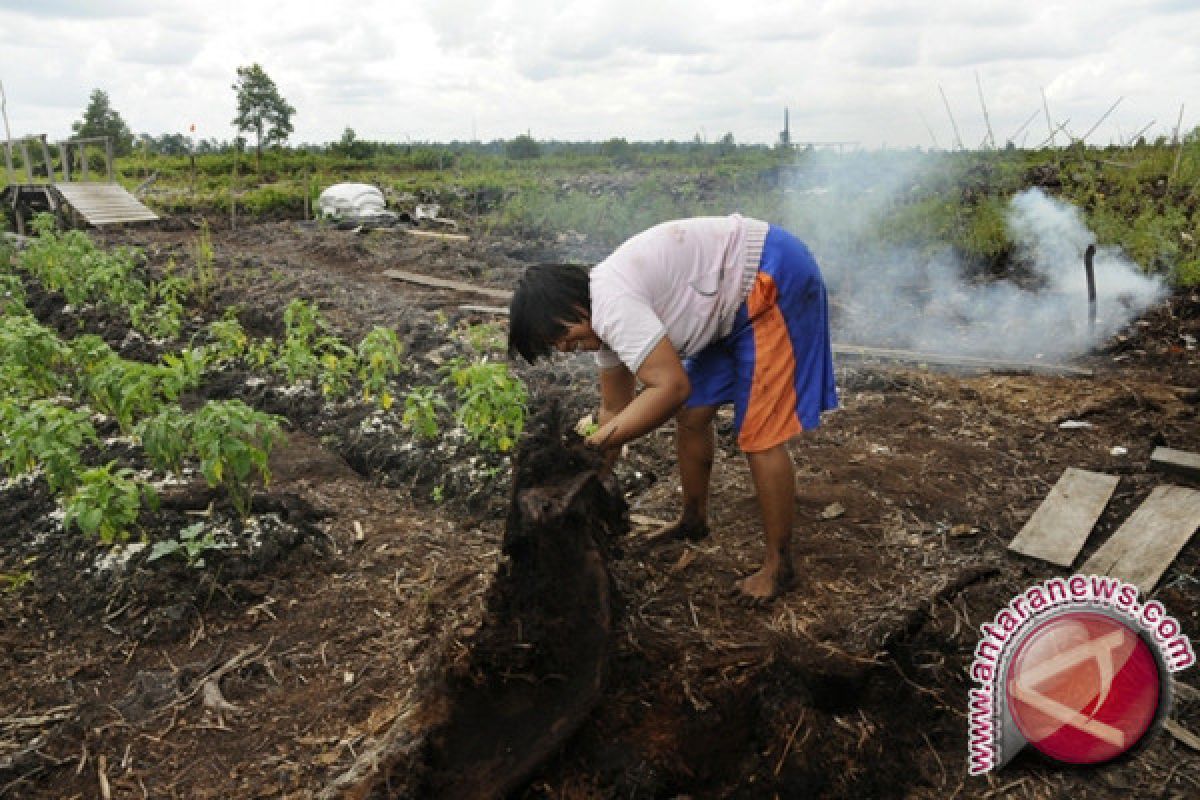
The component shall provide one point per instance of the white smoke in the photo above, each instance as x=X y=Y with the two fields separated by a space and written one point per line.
x=920 y=297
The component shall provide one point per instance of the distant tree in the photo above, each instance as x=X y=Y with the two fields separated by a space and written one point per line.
x=261 y=109
x=726 y=145
x=169 y=144
x=523 y=147
x=351 y=146
x=618 y=149
x=99 y=119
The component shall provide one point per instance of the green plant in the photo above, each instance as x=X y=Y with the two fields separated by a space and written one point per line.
x=166 y=437
x=160 y=314
x=194 y=541
x=338 y=365
x=233 y=442
x=379 y=359
x=492 y=402
x=204 y=274
x=15 y=581
x=421 y=406
x=12 y=290
x=44 y=434
x=228 y=339
x=106 y=503
x=486 y=337
x=28 y=345
x=127 y=390
x=302 y=323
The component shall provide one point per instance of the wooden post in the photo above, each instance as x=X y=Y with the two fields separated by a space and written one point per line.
x=64 y=147
x=46 y=157
x=1179 y=148
x=957 y=139
x=83 y=161
x=1049 y=124
x=233 y=189
x=8 y=160
x=108 y=157
x=986 y=119
x=1090 y=271
x=28 y=161
x=1104 y=117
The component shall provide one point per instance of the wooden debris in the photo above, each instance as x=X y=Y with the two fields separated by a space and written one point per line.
x=499 y=310
x=1058 y=529
x=963 y=362
x=1180 y=462
x=456 y=237
x=442 y=283
x=1146 y=544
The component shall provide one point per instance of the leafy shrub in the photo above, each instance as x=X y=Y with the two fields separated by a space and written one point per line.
x=107 y=502
x=44 y=434
x=34 y=349
x=492 y=403
x=234 y=442
x=379 y=359
x=166 y=437
x=421 y=406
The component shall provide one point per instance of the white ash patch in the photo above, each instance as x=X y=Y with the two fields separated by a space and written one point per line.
x=295 y=390
x=22 y=481
x=254 y=381
x=379 y=422
x=117 y=558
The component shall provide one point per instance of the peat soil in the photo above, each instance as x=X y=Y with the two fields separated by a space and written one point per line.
x=270 y=671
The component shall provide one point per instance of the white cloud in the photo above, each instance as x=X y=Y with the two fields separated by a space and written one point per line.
x=864 y=70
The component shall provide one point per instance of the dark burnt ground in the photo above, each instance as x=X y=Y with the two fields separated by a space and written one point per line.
x=852 y=685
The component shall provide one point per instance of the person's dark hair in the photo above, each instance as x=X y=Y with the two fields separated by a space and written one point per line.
x=548 y=298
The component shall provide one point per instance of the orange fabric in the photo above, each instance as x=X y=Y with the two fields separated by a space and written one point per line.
x=771 y=412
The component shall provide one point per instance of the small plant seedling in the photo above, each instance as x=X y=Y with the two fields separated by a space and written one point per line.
x=194 y=541
x=379 y=359
x=421 y=407
x=107 y=502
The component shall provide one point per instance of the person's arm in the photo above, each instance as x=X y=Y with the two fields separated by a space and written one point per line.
x=666 y=388
x=617 y=388
x=617 y=385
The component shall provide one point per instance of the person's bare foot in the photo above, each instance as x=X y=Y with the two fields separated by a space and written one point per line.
x=683 y=529
x=764 y=585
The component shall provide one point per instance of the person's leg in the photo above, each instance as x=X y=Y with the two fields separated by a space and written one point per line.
x=694 y=447
x=775 y=481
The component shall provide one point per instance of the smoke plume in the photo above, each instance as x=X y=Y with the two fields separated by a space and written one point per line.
x=920 y=297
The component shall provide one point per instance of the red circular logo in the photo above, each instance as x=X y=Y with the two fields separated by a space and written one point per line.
x=1083 y=687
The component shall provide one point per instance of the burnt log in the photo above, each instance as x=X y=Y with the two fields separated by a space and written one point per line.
x=537 y=666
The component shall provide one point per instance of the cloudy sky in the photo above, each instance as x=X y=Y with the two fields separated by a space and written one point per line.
x=435 y=70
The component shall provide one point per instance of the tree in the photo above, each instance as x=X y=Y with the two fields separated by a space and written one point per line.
x=261 y=109
x=523 y=147
x=99 y=119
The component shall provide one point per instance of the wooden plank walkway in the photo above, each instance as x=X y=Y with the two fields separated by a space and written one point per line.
x=1180 y=462
x=1057 y=530
x=1146 y=544
x=104 y=203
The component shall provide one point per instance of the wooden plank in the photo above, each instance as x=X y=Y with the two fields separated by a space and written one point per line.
x=1146 y=544
x=1180 y=462
x=966 y=362
x=454 y=237
x=1057 y=530
x=485 y=309
x=441 y=283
